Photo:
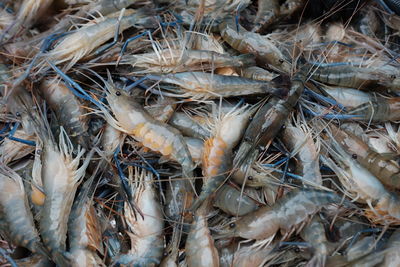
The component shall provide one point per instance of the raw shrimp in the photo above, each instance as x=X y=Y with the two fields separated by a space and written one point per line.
x=302 y=146
x=131 y=118
x=288 y=214
x=84 y=230
x=28 y=13
x=267 y=12
x=200 y=248
x=146 y=233
x=363 y=186
x=202 y=85
x=111 y=140
x=86 y=39
x=357 y=77
x=163 y=109
x=234 y=202
x=386 y=170
x=257 y=73
x=16 y=220
x=248 y=42
x=11 y=150
x=176 y=60
x=216 y=163
x=69 y=111
x=189 y=127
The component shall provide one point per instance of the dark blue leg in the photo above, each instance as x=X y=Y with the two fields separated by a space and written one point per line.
x=385 y=6
x=5 y=255
x=23 y=141
x=325 y=99
x=115 y=40
x=357 y=235
x=130 y=40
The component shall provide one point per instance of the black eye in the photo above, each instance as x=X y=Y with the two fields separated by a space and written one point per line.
x=393 y=76
x=118 y=93
x=17 y=114
x=354 y=156
x=297 y=250
x=232 y=225
x=250 y=178
x=281 y=61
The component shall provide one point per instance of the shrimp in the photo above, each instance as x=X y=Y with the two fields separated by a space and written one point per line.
x=202 y=85
x=85 y=231
x=28 y=13
x=377 y=109
x=195 y=147
x=111 y=140
x=176 y=60
x=61 y=178
x=16 y=220
x=288 y=214
x=189 y=127
x=234 y=202
x=11 y=150
x=132 y=119
x=266 y=124
x=68 y=109
x=265 y=51
x=314 y=234
x=146 y=233
x=386 y=170
x=267 y=12
x=363 y=186
x=200 y=248
x=302 y=146
x=357 y=77
x=257 y=73
x=81 y=43
x=217 y=153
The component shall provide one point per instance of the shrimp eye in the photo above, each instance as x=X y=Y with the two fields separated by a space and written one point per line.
x=250 y=178
x=118 y=93
x=281 y=61
x=297 y=250
x=17 y=114
x=393 y=76
x=232 y=225
x=354 y=156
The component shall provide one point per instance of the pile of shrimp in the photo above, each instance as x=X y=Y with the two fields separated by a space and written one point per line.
x=199 y=133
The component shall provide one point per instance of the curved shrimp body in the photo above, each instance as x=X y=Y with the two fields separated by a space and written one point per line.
x=234 y=202
x=60 y=177
x=82 y=42
x=16 y=220
x=68 y=109
x=252 y=43
x=267 y=11
x=132 y=119
x=348 y=97
x=200 y=248
x=303 y=147
x=146 y=232
x=163 y=109
x=288 y=214
x=202 y=85
x=355 y=77
x=28 y=13
x=387 y=171
x=176 y=60
x=217 y=152
x=188 y=126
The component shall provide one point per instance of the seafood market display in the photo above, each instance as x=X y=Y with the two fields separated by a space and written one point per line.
x=199 y=133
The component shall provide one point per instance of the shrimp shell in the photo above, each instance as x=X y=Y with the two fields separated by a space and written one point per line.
x=233 y=202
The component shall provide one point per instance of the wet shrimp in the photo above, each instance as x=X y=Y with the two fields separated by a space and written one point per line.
x=216 y=163
x=69 y=111
x=188 y=126
x=234 y=202
x=176 y=60
x=16 y=220
x=257 y=73
x=202 y=85
x=146 y=233
x=163 y=109
x=196 y=147
x=131 y=118
x=288 y=214
x=247 y=42
x=200 y=248
x=28 y=13
x=301 y=144
x=386 y=170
